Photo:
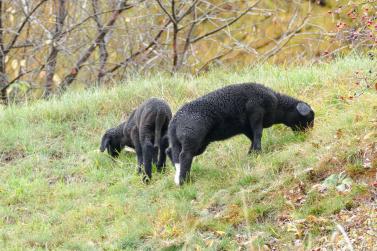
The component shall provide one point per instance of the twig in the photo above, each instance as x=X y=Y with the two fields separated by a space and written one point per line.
x=68 y=79
x=18 y=32
x=142 y=50
x=341 y=229
x=225 y=25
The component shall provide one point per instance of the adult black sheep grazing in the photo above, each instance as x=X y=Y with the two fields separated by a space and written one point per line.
x=236 y=109
x=146 y=132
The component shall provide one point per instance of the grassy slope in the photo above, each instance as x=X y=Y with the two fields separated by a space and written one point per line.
x=57 y=190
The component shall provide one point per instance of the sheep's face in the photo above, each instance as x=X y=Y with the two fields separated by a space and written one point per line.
x=301 y=118
x=111 y=142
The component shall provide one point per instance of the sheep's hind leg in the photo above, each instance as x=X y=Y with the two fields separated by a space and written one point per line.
x=256 y=128
x=250 y=136
x=257 y=136
x=155 y=155
x=164 y=143
x=147 y=157
x=173 y=153
x=183 y=168
x=138 y=149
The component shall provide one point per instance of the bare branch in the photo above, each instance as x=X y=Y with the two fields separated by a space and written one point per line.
x=285 y=37
x=68 y=79
x=173 y=20
x=75 y=26
x=225 y=25
x=189 y=33
x=188 y=11
x=37 y=69
x=24 y=45
x=18 y=32
x=102 y=43
x=205 y=66
x=142 y=50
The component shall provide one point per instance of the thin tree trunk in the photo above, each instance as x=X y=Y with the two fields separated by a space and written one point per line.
x=103 y=54
x=3 y=75
x=52 y=58
x=175 y=37
x=188 y=36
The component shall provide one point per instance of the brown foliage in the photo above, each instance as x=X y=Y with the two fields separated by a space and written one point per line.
x=102 y=41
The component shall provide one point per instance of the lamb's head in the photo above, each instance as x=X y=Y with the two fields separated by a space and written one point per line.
x=300 y=117
x=111 y=141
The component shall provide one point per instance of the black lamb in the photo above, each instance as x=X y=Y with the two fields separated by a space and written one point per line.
x=236 y=109
x=146 y=132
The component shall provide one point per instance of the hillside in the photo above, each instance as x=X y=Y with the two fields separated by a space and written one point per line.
x=58 y=191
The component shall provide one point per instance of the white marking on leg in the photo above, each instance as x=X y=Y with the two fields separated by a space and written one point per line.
x=177 y=173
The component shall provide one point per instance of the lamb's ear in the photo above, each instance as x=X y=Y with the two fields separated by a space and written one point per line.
x=303 y=109
x=104 y=143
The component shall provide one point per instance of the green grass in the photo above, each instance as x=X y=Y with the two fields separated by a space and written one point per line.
x=57 y=191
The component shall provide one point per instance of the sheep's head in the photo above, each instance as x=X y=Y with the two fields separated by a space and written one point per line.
x=112 y=142
x=301 y=117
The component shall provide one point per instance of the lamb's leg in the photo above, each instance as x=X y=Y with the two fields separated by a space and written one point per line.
x=173 y=153
x=138 y=149
x=183 y=168
x=164 y=143
x=250 y=136
x=257 y=142
x=256 y=124
x=147 y=157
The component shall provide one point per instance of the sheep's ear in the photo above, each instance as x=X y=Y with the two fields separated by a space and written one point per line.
x=104 y=143
x=303 y=109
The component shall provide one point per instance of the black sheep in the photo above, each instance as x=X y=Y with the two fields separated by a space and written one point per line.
x=146 y=132
x=236 y=109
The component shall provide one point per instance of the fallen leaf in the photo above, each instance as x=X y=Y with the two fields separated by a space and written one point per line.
x=339 y=133
x=56 y=78
x=74 y=71
x=14 y=64
x=311 y=218
x=42 y=74
x=221 y=233
x=209 y=243
x=358 y=118
x=23 y=63
x=368 y=136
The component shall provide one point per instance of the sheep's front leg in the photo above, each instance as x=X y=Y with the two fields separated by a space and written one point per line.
x=164 y=144
x=138 y=149
x=148 y=150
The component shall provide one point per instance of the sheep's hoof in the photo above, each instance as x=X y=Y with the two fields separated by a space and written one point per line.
x=254 y=151
x=146 y=179
x=161 y=169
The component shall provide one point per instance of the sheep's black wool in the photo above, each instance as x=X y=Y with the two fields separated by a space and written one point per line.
x=236 y=109
x=146 y=132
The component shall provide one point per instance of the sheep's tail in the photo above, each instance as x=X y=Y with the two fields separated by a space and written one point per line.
x=160 y=119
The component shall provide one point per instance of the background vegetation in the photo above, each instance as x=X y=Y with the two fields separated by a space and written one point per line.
x=58 y=192
x=46 y=45
x=71 y=69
